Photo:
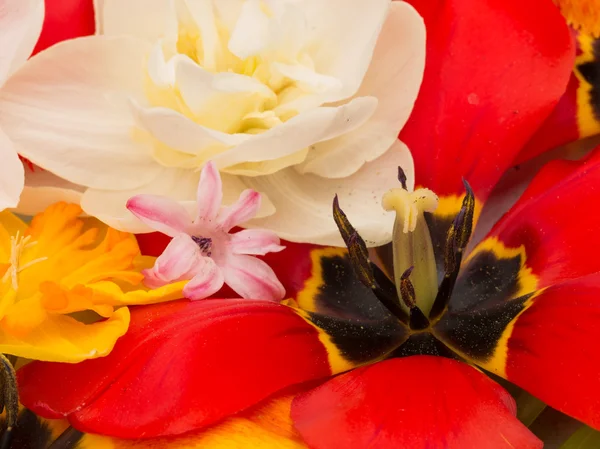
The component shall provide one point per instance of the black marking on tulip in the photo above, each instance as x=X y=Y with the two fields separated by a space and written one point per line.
x=341 y=294
x=32 y=433
x=486 y=279
x=475 y=332
x=438 y=230
x=361 y=341
x=424 y=344
x=591 y=73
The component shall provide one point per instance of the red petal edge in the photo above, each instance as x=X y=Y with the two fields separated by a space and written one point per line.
x=494 y=71
x=66 y=19
x=553 y=351
x=419 y=402
x=181 y=366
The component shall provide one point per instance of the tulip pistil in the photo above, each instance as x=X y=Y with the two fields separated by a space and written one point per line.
x=411 y=244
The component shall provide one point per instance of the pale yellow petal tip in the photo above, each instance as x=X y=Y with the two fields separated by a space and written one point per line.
x=583 y=15
x=408 y=205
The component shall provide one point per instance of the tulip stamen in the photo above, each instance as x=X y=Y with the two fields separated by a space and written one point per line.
x=456 y=241
x=361 y=264
x=418 y=320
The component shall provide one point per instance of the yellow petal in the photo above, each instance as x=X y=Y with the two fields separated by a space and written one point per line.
x=61 y=338
x=110 y=293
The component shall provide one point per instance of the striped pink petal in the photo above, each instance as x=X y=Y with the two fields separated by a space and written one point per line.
x=207 y=281
x=241 y=211
x=160 y=213
x=252 y=278
x=177 y=262
x=210 y=193
x=257 y=242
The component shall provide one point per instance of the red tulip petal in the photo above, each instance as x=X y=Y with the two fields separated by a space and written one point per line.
x=553 y=350
x=66 y=19
x=494 y=71
x=181 y=366
x=577 y=114
x=554 y=224
x=414 y=402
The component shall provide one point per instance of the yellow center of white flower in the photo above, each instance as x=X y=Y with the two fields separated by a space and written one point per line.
x=238 y=80
x=18 y=244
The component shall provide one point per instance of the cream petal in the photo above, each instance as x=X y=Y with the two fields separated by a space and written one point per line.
x=20 y=27
x=180 y=185
x=146 y=19
x=308 y=79
x=304 y=202
x=43 y=188
x=67 y=110
x=251 y=33
x=219 y=100
x=160 y=71
x=228 y=11
x=99 y=16
x=11 y=173
x=202 y=11
x=182 y=134
x=298 y=133
x=394 y=78
x=342 y=36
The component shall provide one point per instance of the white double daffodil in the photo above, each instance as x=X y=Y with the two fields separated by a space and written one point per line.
x=296 y=99
x=20 y=26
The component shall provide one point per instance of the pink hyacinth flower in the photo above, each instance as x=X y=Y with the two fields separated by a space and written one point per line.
x=203 y=250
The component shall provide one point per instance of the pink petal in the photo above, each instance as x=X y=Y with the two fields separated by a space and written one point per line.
x=252 y=278
x=241 y=211
x=207 y=281
x=177 y=262
x=160 y=213
x=210 y=193
x=255 y=242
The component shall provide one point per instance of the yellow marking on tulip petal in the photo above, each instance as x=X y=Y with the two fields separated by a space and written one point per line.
x=527 y=281
x=587 y=123
x=497 y=362
x=583 y=15
x=306 y=297
x=337 y=362
x=450 y=205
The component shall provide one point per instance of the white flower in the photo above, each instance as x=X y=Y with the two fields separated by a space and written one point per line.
x=20 y=26
x=297 y=99
x=203 y=250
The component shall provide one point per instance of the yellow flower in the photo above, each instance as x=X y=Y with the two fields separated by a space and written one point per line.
x=59 y=267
